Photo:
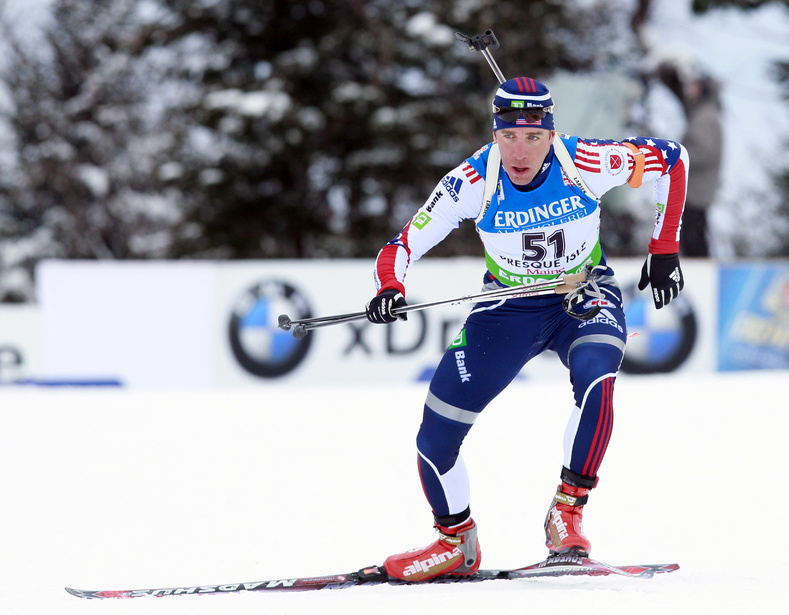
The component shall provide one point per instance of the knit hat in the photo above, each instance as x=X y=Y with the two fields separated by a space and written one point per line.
x=522 y=101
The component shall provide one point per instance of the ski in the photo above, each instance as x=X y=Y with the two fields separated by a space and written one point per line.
x=555 y=566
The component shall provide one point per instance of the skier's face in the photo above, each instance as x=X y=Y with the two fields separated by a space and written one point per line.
x=523 y=150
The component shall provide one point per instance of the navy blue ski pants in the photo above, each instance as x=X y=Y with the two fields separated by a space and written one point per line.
x=496 y=341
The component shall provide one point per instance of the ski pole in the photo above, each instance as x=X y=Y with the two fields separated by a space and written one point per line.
x=561 y=285
x=480 y=43
x=572 y=285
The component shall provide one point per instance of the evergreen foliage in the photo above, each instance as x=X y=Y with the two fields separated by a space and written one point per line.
x=137 y=129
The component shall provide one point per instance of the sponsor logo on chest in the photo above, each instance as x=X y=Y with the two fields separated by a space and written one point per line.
x=555 y=212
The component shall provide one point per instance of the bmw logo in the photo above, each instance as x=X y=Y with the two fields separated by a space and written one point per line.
x=258 y=345
x=665 y=337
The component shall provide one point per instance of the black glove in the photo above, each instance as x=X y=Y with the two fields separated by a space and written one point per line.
x=663 y=272
x=379 y=309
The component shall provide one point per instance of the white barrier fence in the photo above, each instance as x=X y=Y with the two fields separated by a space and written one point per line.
x=205 y=324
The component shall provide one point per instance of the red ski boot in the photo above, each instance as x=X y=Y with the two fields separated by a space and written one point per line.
x=456 y=552
x=564 y=532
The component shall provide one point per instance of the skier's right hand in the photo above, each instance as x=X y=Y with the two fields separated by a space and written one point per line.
x=379 y=308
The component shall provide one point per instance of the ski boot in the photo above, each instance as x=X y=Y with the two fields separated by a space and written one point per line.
x=456 y=552
x=564 y=532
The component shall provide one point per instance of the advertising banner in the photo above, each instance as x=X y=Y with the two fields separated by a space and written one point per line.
x=679 y=337
x=204 y=324
x=252 y=295
x=20 y=343
x=134 y=323
x=754 y=317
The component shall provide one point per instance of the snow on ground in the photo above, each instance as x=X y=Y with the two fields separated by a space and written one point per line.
x=119 y=489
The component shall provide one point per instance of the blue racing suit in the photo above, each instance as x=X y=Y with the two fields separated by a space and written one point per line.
x=531 y=233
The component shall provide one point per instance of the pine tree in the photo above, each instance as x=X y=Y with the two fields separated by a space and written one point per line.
x=329 y=121
x=77 y=177
x=782 y=178
x=249 y=129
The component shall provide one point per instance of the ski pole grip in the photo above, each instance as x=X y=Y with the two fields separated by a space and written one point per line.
x=480 y=42
x=571 y=282
x=483 y=41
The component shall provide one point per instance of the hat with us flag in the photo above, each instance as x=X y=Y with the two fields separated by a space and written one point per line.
x=522 y=101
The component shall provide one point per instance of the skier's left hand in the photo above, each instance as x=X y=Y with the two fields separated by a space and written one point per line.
x=663 y=272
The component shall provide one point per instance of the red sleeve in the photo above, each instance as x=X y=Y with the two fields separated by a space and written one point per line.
x=386 y=264
x=667 y=162
x=668 y=220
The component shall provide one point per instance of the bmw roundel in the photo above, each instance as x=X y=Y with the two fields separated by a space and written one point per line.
x=258 y=344
x=666 y=337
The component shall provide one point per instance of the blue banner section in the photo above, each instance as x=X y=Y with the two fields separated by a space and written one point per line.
x=753 y=329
